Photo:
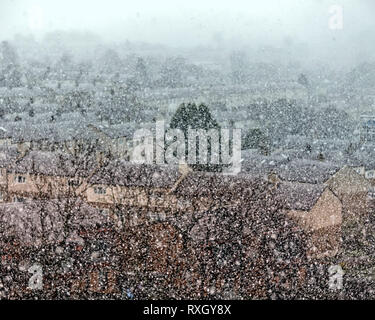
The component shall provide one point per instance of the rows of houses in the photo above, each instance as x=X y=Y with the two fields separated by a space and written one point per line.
x=116 y=141
x=318 y=195
x=322 y=195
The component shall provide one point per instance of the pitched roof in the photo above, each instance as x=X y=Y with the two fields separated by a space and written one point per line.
x=129 y=174
x=299 y=196
x=258 y=165
x=7 y=155
x=23 y=219
x=52 y=164
x=307 y=171
x=349 y=181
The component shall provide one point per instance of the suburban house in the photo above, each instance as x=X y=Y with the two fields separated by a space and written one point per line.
x=322 y=198
x=119 y=139
x=318 y=195
x=352 y=189
x=318 y=211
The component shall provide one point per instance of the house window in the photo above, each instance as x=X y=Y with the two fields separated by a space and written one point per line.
x=153 y=216
x=162 y=216
x=18 y=199
x=100 y=190
x=20 y=179
x=73 y=183
x=371 y=192
x=156 y=217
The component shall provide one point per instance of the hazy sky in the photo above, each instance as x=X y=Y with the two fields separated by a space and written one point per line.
x=189 y=22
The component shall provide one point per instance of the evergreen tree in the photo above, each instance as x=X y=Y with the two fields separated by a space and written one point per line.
x=190 y=116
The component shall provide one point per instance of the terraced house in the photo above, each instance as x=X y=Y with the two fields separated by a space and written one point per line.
x=318 y=200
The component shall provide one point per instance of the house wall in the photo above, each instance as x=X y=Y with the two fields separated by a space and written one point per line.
x=360 y=170
x=326 y=215
x=355 y=204
x=54 y=186
x=325 y=242
x=5 y=142
x=353 y=191
x=119 y=148
x=370 y=174
x=37 y=185
x=153 y=198
x=22 y=147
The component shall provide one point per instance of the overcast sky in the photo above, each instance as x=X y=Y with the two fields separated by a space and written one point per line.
x=189 y=22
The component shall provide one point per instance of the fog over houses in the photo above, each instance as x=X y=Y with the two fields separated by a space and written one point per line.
x=97 y=190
